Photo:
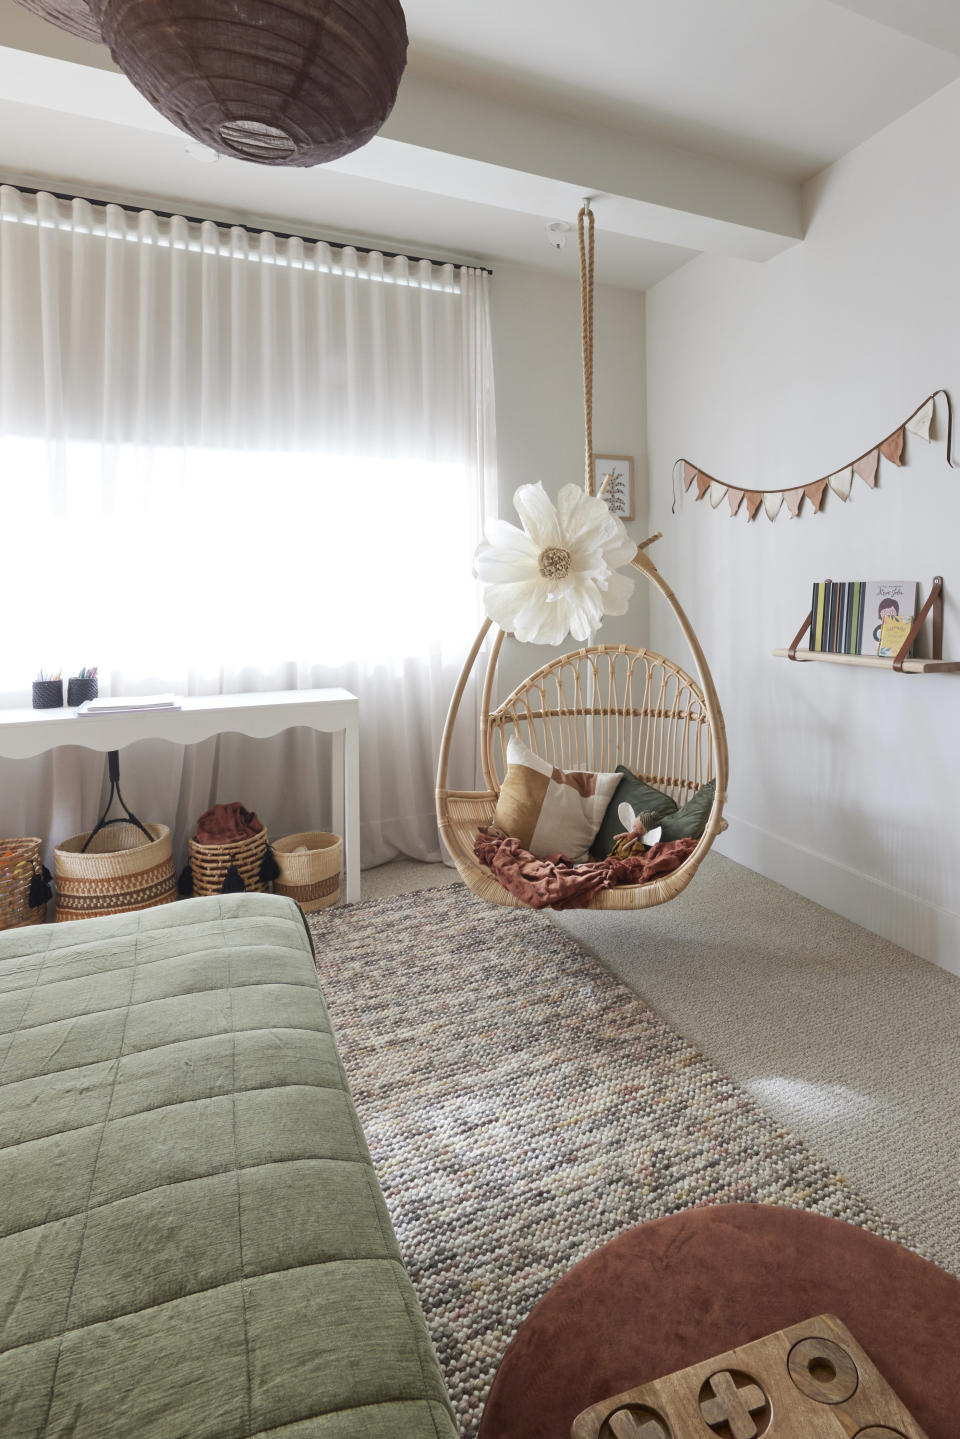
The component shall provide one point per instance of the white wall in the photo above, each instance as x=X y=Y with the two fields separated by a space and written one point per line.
x=844 y=783
x=535 y=320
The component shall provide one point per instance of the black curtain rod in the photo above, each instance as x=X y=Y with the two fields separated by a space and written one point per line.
x=250 y=229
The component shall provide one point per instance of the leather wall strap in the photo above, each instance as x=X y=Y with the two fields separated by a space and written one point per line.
x=932 y=598
x=792 y=651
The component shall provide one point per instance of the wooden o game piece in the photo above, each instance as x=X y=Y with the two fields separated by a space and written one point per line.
x=878 y=1433
x=823 y=1371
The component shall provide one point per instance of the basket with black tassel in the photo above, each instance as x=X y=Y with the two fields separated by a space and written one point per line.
x=24 y=883
x=239 y=859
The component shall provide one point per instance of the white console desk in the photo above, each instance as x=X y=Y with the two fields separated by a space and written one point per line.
x=28 y=732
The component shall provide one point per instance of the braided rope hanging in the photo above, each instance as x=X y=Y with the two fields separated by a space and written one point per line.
x=585 y=235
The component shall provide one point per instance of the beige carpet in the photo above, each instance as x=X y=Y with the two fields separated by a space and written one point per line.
x=851 y=1042
x=846 y=1039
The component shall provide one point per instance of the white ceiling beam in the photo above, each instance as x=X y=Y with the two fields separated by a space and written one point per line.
x=935 y=22
x=447 y=142
x=543 y=163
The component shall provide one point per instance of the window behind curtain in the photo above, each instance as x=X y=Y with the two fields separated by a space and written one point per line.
x=220 y=450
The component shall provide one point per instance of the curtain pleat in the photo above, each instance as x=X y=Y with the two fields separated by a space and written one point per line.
x=230 y=462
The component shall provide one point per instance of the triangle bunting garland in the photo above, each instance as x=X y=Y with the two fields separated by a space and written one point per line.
x=839 y=481
x=866 y=467
x=919 y=424
x=815 y=493
x=892 y=447
x=842 y=482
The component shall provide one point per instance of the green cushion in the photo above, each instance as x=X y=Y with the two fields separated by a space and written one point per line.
x=192 y=1237
x=690 y=820
x=641 y=796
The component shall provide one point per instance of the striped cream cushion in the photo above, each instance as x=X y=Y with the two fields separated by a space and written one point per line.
x=549 y=810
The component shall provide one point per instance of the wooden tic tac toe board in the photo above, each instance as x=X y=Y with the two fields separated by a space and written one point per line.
x=812 y=1381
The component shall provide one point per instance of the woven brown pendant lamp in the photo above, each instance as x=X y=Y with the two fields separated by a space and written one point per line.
x=72 y=15
x=281 y=82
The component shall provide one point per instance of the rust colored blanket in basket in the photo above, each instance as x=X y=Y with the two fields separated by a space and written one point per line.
x=226 y=824
x=557 y=883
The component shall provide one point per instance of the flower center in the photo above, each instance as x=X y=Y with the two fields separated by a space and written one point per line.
x=554 y=564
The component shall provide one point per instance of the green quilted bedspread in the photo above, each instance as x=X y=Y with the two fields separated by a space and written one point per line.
x=193 y=1244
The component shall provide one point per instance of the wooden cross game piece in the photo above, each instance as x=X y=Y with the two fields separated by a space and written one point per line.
x=811 y=1381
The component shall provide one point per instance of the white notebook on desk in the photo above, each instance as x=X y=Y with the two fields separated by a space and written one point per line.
x=123 y=704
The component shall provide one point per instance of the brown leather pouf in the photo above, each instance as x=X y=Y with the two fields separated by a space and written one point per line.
x=681 y=1289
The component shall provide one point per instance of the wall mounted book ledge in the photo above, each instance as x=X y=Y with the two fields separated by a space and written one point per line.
x=932 y=605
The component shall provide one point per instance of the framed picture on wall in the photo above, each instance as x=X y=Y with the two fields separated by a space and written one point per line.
x=619 y=491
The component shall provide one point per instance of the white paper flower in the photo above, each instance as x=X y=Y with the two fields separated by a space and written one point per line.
x=555 y=576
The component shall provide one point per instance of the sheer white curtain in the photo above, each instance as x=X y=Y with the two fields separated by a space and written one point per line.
x=232 y=462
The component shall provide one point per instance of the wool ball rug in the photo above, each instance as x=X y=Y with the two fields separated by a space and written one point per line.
x=522 y=1107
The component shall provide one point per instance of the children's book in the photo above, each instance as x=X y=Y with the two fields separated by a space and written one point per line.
x=837 y=616
x=885 y=599
x=892 y=635
x=816 y=609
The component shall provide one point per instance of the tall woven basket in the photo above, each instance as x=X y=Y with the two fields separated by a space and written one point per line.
x=312 y=877
x=121 y=871
x=19 y=862
x=209 y=863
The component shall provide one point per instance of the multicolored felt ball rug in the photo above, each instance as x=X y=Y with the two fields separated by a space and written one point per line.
x=523 y=1107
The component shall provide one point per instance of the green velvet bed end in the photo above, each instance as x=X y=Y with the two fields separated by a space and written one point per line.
x=192 y=1238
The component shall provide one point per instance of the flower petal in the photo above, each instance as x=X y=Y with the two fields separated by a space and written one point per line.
x=540 y=619
x=538 y=516
x=515 y=558
x=586 y=611
x=502 y=535
x=544 y=624
x=585 y=517
x=615 y=594
x=620 y=551
x=503 y=602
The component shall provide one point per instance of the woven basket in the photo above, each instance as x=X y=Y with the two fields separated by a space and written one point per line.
x=311 y=878
x=209 y=863
x=120 y=872
x=19 y=862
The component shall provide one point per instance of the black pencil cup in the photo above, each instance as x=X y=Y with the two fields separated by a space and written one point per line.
x=47 y=694
x=79 y=690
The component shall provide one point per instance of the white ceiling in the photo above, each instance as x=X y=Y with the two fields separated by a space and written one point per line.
x=789 y=85
x=693 y=122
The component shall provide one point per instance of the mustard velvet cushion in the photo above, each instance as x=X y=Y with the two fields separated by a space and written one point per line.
x=549 y=810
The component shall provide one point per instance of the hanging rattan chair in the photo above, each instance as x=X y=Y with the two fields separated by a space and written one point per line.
x=593 y=709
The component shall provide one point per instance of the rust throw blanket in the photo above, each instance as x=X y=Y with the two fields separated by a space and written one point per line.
x=556 y=882
x=226 y=824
